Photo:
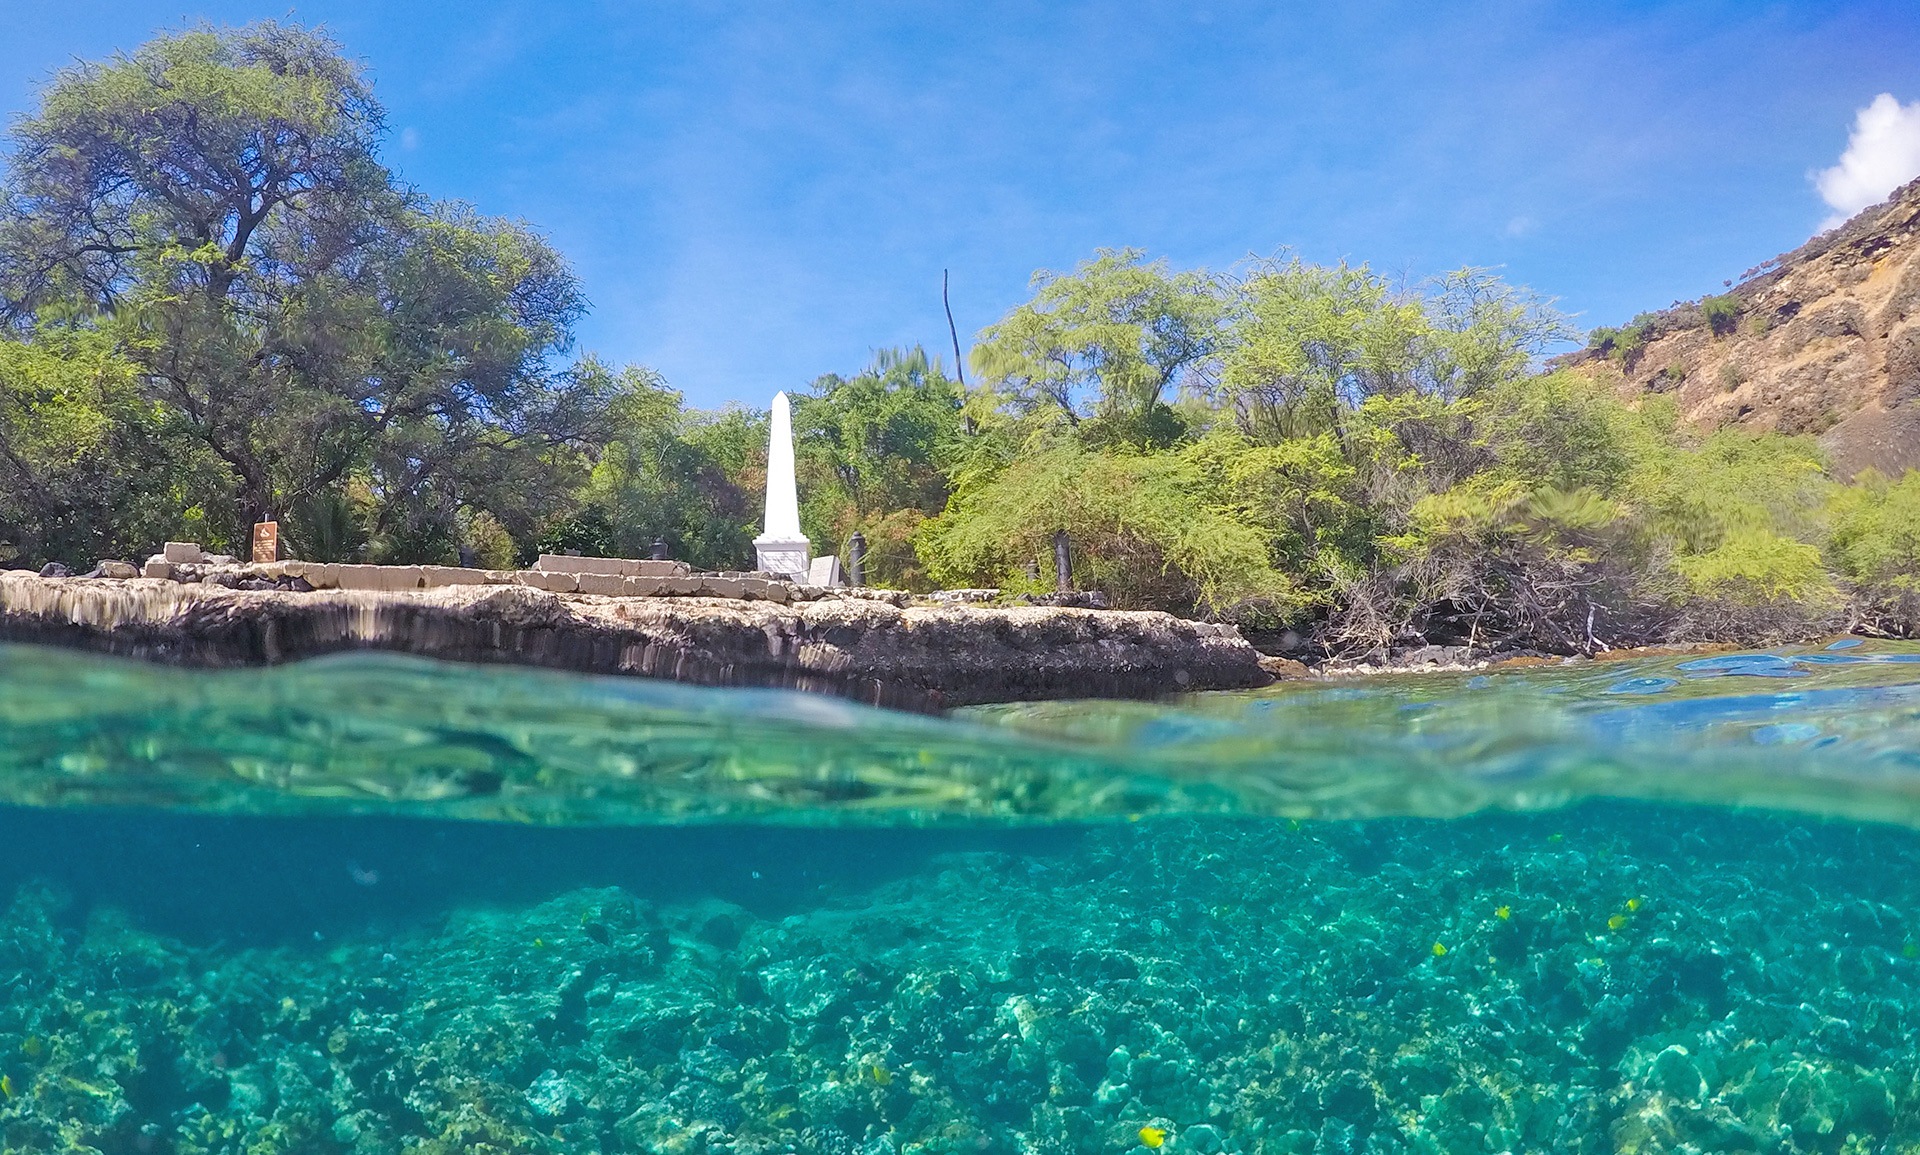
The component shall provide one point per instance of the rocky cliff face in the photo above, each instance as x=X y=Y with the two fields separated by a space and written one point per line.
x=911 y=657
x=1824 y=340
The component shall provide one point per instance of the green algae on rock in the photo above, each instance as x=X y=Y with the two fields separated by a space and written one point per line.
x=1619 y=978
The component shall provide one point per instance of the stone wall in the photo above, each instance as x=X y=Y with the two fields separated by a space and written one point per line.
x=554 y=573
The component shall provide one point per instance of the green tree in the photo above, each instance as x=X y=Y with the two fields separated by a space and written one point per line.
x=1486 y=332
x=663 y=477
x=874 y=451
x=1311 y=342
x=1108 y=342
x=88 y=468
x=1875 y=545
x=884 y=434
x=1150 y=529
x=214 y=202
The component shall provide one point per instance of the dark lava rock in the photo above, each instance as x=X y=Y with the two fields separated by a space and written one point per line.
x=908 y=657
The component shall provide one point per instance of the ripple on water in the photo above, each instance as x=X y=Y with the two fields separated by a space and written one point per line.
x=1642 y=686
x=382 y=734
x=1785 y=733
x=1743 y=666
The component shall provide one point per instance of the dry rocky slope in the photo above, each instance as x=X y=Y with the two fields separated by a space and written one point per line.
x=903 y=656
x=1824 y=340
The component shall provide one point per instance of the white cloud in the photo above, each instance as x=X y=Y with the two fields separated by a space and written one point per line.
x=1882 y=154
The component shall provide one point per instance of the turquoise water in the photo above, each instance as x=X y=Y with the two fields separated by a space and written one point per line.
x=371 y=904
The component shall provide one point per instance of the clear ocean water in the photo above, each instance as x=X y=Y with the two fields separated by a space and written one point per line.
x=371 y=904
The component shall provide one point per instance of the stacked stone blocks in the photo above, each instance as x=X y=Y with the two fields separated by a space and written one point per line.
x=555 y=573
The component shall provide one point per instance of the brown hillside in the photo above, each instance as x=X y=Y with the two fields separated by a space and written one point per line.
x=1824 y=340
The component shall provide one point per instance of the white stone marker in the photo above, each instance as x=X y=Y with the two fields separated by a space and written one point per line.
x=782 y=548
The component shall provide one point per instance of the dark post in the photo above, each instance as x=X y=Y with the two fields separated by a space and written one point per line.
x=1062 y=563
x=857 y=558
x=659 y=549
x=959 y=363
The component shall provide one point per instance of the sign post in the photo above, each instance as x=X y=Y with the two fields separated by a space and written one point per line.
x=266 y=542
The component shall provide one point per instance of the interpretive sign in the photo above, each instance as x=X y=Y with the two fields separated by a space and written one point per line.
x=266 y=542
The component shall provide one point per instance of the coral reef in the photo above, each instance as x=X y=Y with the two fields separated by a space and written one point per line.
x=1616 y=978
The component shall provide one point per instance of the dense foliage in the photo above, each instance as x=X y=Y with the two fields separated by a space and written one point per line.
x=1371 y=465
x=219 y=305
x=315 y=339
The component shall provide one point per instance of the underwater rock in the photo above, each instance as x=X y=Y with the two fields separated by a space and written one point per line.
x=916 y=657
x=1620 y=979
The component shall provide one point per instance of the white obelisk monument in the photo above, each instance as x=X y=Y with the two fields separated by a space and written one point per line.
x=782 y=548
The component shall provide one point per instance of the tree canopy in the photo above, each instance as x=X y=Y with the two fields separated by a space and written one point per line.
x=214 y=204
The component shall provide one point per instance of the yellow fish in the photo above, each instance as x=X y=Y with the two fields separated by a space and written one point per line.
x=1633 y=904
x=1503 y=913
x=31 y=1046
x=6 y=1086
x=1439 y=950
x=1153 y=1136
x=1617 y=922
x=880 y=1074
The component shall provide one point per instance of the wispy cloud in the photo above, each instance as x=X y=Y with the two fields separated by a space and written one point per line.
x=1882 y=154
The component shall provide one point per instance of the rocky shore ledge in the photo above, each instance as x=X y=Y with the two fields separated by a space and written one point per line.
x=913 y=657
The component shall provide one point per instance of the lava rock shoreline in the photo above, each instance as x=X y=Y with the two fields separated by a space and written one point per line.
x=921 y=658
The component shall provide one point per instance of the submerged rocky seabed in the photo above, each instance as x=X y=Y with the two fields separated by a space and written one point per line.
x=1612 y=978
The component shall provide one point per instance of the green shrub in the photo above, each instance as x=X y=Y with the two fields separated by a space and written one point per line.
x=1753 y=565
x=491 y=546
x=1150 y=529
x=1722 y=313
x=1624 y=344
x=1875 y=541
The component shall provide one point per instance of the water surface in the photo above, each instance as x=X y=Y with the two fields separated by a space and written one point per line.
x=1822 y=730
x=370 y=905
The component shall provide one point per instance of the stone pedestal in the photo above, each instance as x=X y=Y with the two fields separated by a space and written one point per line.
x=792 y=556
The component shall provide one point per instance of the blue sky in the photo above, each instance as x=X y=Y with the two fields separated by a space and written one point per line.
x=754 y=193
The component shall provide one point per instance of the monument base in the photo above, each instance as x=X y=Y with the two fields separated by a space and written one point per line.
x=792 y=556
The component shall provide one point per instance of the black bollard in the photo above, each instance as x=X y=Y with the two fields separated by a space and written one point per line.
x=659 y=549
x=857 y=559
x=1062 y=563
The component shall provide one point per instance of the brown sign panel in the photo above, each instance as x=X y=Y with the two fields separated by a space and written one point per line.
x=266 y=541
